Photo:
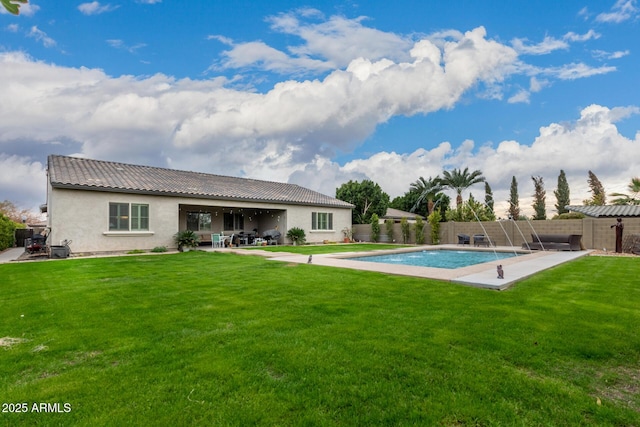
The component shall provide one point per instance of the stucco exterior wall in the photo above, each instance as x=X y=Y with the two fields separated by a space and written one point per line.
x=83 y=217
x=300 y=217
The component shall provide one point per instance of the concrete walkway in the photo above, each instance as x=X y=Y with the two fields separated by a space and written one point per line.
x=479 y=275
x=10 y=254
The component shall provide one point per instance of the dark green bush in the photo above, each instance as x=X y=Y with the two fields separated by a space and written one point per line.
x=297 y=235
x=570 y=215
x=7 y=232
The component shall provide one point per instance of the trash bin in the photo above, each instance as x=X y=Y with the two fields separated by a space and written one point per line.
x=59 y=251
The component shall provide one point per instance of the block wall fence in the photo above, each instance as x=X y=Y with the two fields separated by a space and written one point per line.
x=596 y=232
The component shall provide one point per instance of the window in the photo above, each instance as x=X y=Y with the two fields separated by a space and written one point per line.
x=199 y=221
x=139 y=217
x=233 y=222
x=121 y=220
x=322 y=221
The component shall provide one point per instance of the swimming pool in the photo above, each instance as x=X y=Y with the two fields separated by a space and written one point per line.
x=438 y=258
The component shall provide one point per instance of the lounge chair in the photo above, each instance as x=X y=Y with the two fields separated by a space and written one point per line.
x=481 y=240
x=464 y=239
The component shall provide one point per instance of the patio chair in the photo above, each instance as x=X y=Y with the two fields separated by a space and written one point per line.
x=216 y=241
x=464 y=239
x=480 y=240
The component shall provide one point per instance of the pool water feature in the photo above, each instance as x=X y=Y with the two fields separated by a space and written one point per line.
x=437 y=258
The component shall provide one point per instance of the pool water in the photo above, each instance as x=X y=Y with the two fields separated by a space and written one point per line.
x=439 y=258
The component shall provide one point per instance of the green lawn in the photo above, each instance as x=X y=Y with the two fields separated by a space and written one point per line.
x=220 y=339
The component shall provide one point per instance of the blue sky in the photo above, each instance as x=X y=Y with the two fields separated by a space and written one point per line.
x=317 y=93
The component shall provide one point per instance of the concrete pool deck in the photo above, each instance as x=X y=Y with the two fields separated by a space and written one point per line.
x=480 y=275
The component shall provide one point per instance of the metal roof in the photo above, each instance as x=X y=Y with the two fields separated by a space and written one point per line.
x=97 y=175
x=610 y=211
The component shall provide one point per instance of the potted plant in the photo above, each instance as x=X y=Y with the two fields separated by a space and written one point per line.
x=348 y=234
x=186 y=240
x=296 y=235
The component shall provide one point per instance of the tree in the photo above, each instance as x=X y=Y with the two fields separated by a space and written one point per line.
x=11 y=5
x=434 y=221
x=375 y=227
x=514 y=202
x=459 y=181
x=410 y=200
x=7 y=232
x=389 y=223
x=427 y=189
x=419 y=229
x=562 y=194
x=539 y=198
x=628 y=199
x=488 y=197
x=405 y=229
x=17 y=214
x=471 y=211
x=598 y=197
x=367 y=197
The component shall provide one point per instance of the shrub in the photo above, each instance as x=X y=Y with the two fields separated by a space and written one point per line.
x=159 y=249
x=136 y=251
x=389 y=226
x=186 y=238
x=434 y=220
x=375 y=227
x=419 y=229
x=570 y=215
x=7 y=232
x=406 y=230
x=296 y=235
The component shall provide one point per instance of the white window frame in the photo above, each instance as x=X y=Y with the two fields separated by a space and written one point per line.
x=133 y=223
x=321 y=221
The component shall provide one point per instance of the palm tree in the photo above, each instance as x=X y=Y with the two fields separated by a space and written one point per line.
x=427 y=188
x=460 y=180
x=626 y=199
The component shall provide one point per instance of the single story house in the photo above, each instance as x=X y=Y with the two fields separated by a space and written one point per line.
x=396 y=215
x=107 y=206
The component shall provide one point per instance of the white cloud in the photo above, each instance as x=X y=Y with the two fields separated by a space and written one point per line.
x=601 y=54
x=326 y=45
x=259 y=54
x=622 y=10
x=12 y=28
x=119 y=44
x=584 y=13
x=521 y=96
x=95 y=8
x=576 y=71
x=589 y=35
x=21 y=181
x=548 y=45
x=41 y=36
x=592 y=142
x=536 y=85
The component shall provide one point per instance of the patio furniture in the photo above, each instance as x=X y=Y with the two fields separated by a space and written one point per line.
x=464 y=239
x=216 y=241
x=558 y=242
x=481 y=240
x=272 y=236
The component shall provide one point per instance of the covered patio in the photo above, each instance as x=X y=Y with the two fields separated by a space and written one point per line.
x=245 y=224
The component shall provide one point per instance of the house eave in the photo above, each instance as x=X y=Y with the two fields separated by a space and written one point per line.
x=193 y=195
